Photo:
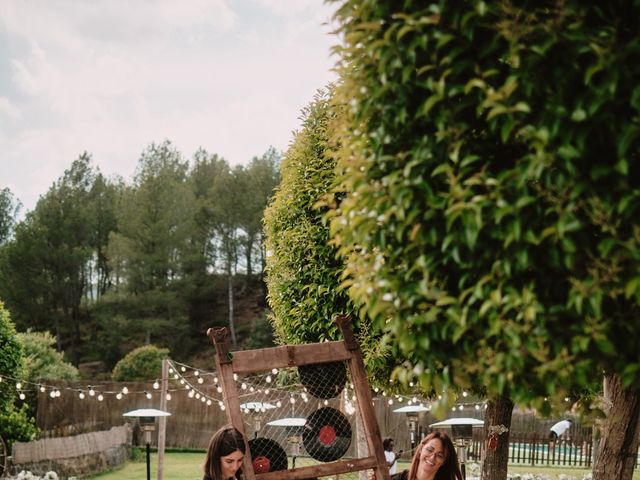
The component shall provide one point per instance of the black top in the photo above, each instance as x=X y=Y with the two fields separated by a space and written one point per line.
x=403 y=475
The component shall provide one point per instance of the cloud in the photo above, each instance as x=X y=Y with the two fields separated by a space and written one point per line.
x=110 y=77
x=8 y=109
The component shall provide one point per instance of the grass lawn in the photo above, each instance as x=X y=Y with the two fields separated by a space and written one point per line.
x=187 y=466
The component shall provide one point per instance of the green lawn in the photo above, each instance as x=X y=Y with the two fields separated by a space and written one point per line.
x=188 y=466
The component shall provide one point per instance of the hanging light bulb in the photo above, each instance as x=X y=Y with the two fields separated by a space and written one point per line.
x=274 y=371
x=52 y=394
x=42 y=389
x=190 y=394
x=81 y=395
x=148 y=395
x=208 y=403
x=22 y=396
x=91 y=391
x=18 y=385
x=278 y=404
x=200 y=380
x=100 y=397
x=243 y=386
x=197 y=395
x=168 y=397
x=156 y=385
x=183 y=369
x=125 y=390
x=235 y=376
x=202 y=399
x=119 y=396
x=219 y=389
x=170 y=370
x=196 y=373
x=268 y=379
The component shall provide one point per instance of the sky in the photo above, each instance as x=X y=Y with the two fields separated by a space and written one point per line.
x=110 y=77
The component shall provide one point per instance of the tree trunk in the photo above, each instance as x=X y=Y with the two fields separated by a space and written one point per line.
x=494 y=462
x=232 y=327
x=621 y=433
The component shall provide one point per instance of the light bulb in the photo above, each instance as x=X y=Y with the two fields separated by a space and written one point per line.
x=156 y=385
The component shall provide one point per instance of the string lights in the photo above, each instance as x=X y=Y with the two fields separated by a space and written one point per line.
x=205 y=387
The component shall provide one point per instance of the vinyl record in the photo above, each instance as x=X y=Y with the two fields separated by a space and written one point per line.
x=267 y=455
x=327 y=434
x=323 y=380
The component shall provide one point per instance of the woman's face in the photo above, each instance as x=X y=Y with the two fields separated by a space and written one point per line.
x=432 y=456
x=229 y=464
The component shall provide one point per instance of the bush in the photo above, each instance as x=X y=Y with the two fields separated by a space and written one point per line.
x=11 y=364
x=139 y=365
x=42 y=361
x=16 y=425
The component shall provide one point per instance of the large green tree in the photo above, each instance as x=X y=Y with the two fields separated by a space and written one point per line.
x=149 y=250
x=303 y=272
x=45 y=269
x=490 y=159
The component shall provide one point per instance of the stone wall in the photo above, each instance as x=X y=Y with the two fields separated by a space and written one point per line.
x=80 y=455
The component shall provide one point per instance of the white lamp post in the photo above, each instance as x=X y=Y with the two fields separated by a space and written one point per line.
x=147 y=418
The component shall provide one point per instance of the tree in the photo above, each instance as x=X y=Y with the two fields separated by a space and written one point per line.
x=488 y=226
x=155 y=217
x=302 y=271
x=9 y=209
x=47 y=262
x=257 y=181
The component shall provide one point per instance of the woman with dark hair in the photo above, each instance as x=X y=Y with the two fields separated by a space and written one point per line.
x=435 y=458
x=224 y=455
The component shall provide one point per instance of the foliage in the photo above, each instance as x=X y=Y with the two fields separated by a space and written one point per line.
x=9 y=209
x=302 y=271
x=17 y=425
x=141 y=364
x=490 y=155
x=42 y=361
x=260 y=333
x=106 y=264
x=45 y=271
x=11 y=364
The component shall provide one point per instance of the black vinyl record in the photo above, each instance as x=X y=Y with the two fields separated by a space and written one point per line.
x=267 y=455
x=323 y=380
x=327 y=434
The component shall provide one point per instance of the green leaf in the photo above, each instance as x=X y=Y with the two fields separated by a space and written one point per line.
x=578 y=115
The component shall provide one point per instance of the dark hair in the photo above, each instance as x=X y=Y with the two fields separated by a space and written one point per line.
x=449 y=470
x=224 y=442
x=386 y=443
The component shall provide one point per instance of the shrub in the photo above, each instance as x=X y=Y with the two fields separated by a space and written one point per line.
x=141 y=364
x=42 y=361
